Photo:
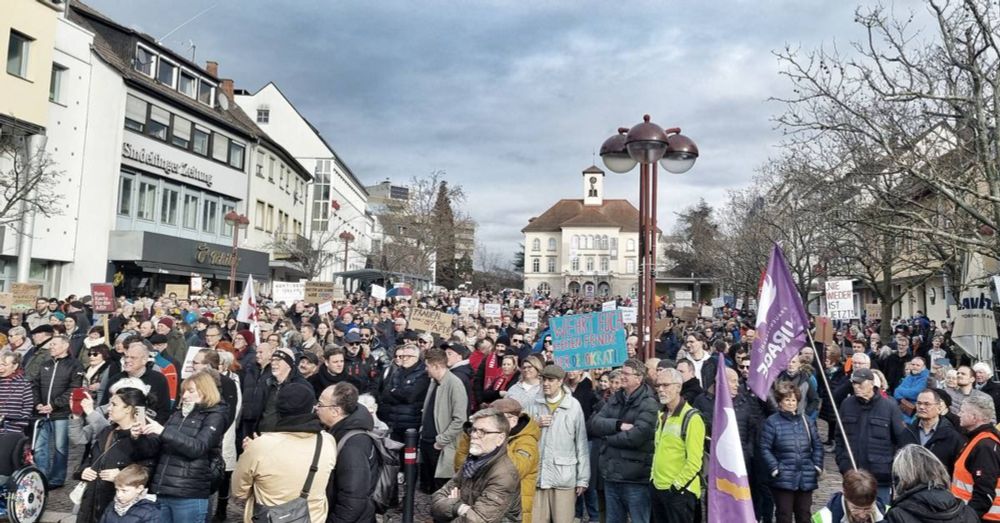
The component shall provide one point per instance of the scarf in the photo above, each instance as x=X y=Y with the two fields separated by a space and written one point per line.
x=493 y=369
x=474 y=463
x=90 y=343
x=501 y=382
x=122 y=508
x=186 y=408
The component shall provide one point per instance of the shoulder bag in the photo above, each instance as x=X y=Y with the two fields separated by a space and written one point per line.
x=296 y=510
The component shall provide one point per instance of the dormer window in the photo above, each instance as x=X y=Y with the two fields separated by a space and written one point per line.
x=187 y=85
x=166 y=72
x=206 y=93
x=144 y=61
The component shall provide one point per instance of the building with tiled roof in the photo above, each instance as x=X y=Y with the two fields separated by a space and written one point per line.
x=585 y=246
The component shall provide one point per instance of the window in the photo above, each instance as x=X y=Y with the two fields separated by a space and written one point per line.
x=18 y=47
x=236 y=151
x=55 y=83
x=604 y=264
x=159 y=122
x=604 y=242
x=263 y=115
x=181 y=136
x=630 y=266
x=191 y=211
x=270 y=170
x=135 y=113
x=144 y=59
x=536 y=265
x=258 y=215
x=260 y=164
x=205 y=91
x=552 y=264
x=125 y=196
x=187 y=84
x=575 y=264
x=165 y=73
x=536 y=245
x=147 y=201
x=220 y=147
x=201 y=141
x=630 y=245
x=281 y=176
x=544 y=288
x=552 y=244
x=168 y=206
x=575 y=242
x=269 y=219
x=227 y=228
x=590 y=242
x=210 y=216
x=590 y=263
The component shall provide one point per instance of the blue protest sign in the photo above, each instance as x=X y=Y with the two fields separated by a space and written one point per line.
x=588 y=341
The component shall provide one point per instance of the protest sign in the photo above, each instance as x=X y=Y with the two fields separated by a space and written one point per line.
x=824 y=330
x=531 y=318
x=103 y=297
x=435 y=322
x=706 y=311
x=660 y=326
x=181 y=290
x=683 y=298
x=187 y=369
x=629 y=314
x=689 y=314
x=288 y=292
x=491 y=310
x=325 y=308
x=468 y=306
x=378 y=292
x=840 y=299
x=739 y=304
x=24 y=295
x=873 y=311
x=196 y=284
x=6 y=301
x=718 y=303
x=588 y=341
x=609 y=306
x=318 y=291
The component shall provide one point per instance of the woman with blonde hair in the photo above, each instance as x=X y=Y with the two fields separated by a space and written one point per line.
x=189 y=446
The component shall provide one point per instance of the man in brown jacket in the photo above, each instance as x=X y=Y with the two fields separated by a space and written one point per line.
x=487 y=488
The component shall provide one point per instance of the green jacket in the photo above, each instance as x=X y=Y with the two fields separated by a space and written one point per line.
x=677 y=463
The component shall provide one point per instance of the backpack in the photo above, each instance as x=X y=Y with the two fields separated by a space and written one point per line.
x=703 y=475
x=388 y=452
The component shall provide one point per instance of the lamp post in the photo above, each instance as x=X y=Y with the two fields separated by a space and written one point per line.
x=237 y=221
x=646 y=144
x=347 y=238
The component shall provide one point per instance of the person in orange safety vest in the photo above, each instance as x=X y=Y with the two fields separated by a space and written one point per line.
x=977 y=471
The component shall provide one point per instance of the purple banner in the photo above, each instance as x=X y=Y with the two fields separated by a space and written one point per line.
x=781 y=325
x=728 y=485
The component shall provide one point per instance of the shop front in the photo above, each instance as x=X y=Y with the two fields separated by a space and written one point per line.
x=144 y=263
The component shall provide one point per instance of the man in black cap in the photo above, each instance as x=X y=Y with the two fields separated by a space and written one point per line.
x=361 y=369
x=39 y=352
x=284 y=371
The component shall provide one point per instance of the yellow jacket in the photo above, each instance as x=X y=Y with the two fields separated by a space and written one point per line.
x=677 y=463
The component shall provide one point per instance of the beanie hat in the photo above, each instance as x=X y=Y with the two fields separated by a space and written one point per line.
x=168 y=321
x=295 y=399
x=247 y=335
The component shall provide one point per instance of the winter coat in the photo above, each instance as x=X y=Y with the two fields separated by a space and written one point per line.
x=584 y=393
x=627 y=455
x=911 y=386
x=749 y=412
x=17 y=404
x=450 y=410
x=361 y=370
x=804 y=381
x=564 y=454
x=145 y=511
x=876 y=431
x=690 y=390
x=254 y=384
x=273 y=470
x=269 y=416
x=492 y=493
x=525 y=394
x=159 y=391
x=924 y=505
x=402 y=396
x=894 y=368
x=946 y=442
x=185 y=448
x=324 y=378
x=836 y=377
x=54 y=384
x=792 y=450
x=992 y=389
x=229 y=454
x=349 y=491
x=177 y=346
x=464 y=372
x=492 y=393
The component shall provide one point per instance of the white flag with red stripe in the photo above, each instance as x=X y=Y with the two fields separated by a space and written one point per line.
x=248 y=309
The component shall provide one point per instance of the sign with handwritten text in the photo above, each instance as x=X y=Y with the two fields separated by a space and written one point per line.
x=588 y=341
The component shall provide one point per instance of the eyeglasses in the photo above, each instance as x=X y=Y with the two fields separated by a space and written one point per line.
x=548 y=341
x=321 y=406
x=405 y=357
x=665 y=385
x=421 y=342
x=745 y=366
x=476 y=432
x=517 y=340
x=92 y=353
x=629 y=374
x=355 y=344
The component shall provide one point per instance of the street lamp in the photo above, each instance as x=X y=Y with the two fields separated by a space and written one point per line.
x=237 y=221
x=347 y=238
x=646 y=144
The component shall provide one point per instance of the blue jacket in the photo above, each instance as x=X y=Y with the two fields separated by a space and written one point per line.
x=910 y=388
x=791 y=448
x=145 y=511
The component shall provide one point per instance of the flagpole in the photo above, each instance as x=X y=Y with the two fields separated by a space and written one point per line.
x=836 y=410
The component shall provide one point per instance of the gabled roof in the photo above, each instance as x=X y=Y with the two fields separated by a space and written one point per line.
x=593 y=169
x=573 y=213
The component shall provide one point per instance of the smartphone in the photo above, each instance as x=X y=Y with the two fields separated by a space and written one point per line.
x=140 y=415
x=76 y=400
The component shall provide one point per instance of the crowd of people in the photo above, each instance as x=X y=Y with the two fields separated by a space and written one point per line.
x=179 y=407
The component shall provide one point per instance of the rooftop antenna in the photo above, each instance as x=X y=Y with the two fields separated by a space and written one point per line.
x=188 y=21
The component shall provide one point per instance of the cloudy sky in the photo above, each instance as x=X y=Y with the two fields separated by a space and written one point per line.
x=510 y=97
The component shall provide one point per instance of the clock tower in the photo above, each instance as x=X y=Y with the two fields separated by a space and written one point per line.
x=593 y=186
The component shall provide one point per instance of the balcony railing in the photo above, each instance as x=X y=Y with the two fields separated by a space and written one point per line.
x=288 y=245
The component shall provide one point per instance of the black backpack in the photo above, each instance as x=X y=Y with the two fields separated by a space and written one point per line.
x=388 y=452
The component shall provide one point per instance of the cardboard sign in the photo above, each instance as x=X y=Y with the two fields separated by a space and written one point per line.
x=378 y=292
x=325 y=308
x=824 y=330
x=180 y=289
x=103 y=297
x=588 y=341
x=531 y=318
x=24 y=295
x=718 y=303
x=630 y=314
x=468 y=306
x=426 y=320
x=187 y=369
x=840 y=299
x=288 y=292
x=6 y=302
x=873 y=311
x=689 y=314
x=609 y=306
x=706 y=311
x=492 y=310
x=318 y=291
x=660 y=326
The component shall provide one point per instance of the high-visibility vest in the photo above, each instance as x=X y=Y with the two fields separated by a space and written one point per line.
x=961 y=485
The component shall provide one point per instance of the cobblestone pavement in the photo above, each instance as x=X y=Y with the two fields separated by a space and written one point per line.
x=58 y=506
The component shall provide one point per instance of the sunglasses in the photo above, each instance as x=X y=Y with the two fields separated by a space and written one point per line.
x=93 y=353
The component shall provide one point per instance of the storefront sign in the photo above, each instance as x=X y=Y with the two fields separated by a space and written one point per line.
x=206 y=255
x=103 y=296
x=169 y=167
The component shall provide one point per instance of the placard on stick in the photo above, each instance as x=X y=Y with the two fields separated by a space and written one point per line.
x=531 y=318
x=435 y=322
x=468 y=306
x=492 y=310
x=103 y=296
x=588 y=341
x=24 y=295
x=288 y=292
x=840 y=299
x=873 y=311
x=179 y=289
x=318 y=291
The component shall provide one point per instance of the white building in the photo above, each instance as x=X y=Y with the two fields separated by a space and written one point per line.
x=338 y=200
x=586 y=246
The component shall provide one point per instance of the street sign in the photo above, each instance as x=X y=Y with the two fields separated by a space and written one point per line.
x=103 y=297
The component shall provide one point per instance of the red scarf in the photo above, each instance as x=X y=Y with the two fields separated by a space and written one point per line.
x=493 y=369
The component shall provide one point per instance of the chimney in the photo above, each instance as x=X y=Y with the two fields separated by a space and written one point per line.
x=212 y=68
x=227 y=88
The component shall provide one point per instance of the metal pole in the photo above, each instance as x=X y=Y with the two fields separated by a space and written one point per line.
x=836 y=410
x=409 y=473
x=232 y=261
x=345 y=254
x=650 y=349
x=642 y=257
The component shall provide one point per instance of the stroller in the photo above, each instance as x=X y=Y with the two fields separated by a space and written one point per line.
x=22 y=486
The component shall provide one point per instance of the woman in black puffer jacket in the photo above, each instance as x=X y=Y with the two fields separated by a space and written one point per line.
x=790 y=447
x=921 y=490
x=187 y=446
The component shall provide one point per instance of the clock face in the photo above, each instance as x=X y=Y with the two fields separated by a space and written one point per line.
x=593 y=179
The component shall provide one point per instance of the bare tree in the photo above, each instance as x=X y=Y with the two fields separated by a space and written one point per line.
x=308 y=255
x=28 y=183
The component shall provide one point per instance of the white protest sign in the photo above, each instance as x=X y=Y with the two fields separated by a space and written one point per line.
x=288 y=292
x=491 y=310
x=326 y=307
x=531 y=317
x=706 y=311
x=188 y=368
x=739 y=304
x=196 y=283
x=718 y=303
x=468 y=306
x=609 y=306
x=840 y=299
x=683 y=298
x=378 y=292
x=629 y=314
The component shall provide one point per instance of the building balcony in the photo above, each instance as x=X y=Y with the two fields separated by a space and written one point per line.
x=290 y=246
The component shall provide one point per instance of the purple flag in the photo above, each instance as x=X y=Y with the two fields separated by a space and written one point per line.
x=728 y=486
x=781 y=325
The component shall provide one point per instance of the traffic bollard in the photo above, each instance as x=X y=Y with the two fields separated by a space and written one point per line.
x=410 y=474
